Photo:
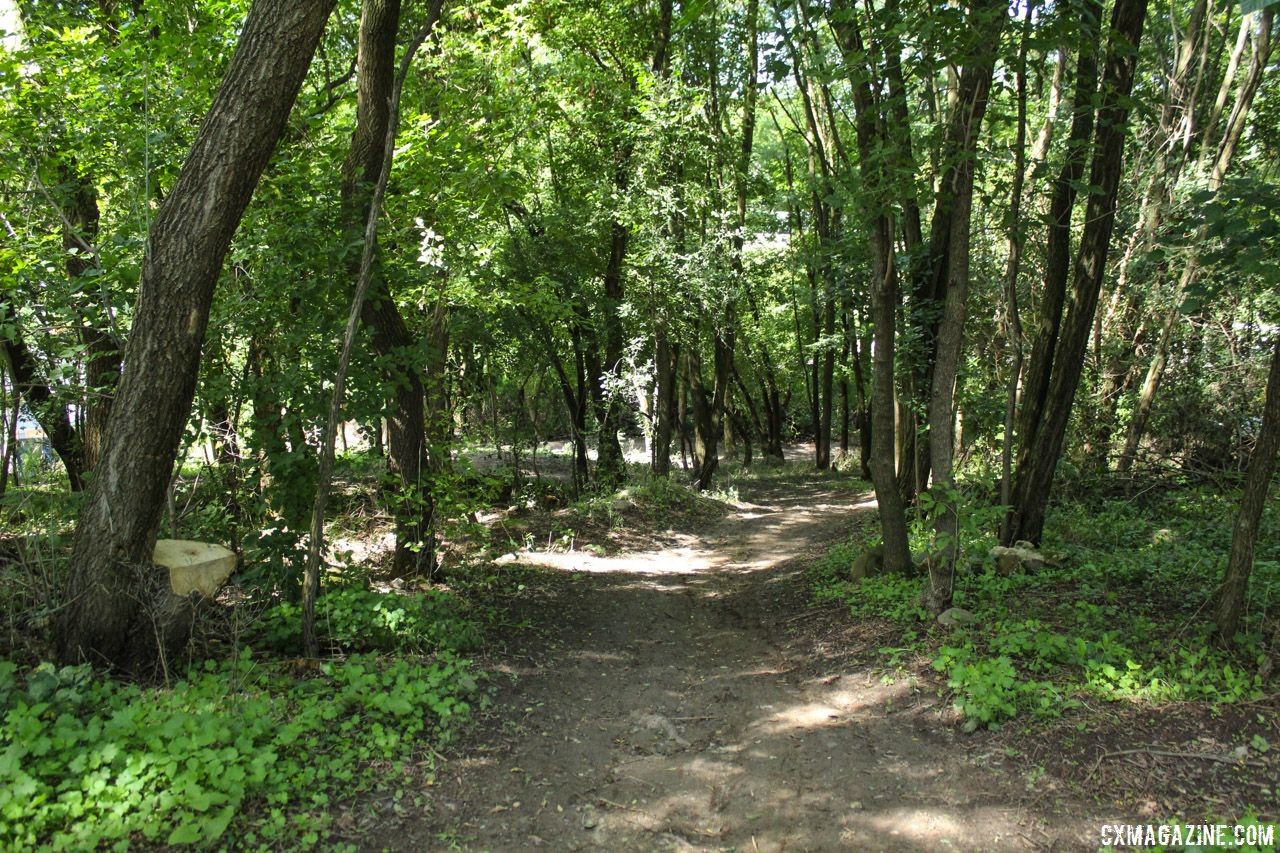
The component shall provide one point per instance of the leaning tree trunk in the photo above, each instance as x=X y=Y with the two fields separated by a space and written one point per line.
x=49 y=411
x=114 y=597
x=1222 y=155
x=1230 y=606
x=1036 y=469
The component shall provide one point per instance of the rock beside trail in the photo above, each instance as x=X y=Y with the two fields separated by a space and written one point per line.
x=955 y=617
x=194 y=567
x=1021 y=557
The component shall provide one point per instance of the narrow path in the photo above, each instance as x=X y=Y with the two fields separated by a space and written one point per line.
x=675 y=706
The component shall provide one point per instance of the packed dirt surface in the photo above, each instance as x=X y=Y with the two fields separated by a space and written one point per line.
x=679 y=699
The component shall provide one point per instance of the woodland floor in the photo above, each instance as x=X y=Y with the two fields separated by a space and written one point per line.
x=689 y=696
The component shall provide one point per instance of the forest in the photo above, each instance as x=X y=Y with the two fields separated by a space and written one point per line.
x=429 y=424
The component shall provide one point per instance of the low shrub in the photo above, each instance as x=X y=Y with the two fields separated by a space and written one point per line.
x=88 y=762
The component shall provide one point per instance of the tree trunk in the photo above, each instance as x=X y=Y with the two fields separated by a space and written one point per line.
x=388 y=332
x=828 y=381
x=611 y=469
x=1230 y=604
x=975 y=84
x=1223 y=155
x=49 y=412
x=664 y=396
x=1013 y=317
x=706 y=431
x=102 y=352
x=1057 y=273
x=108 y=615
x=1036 y=470
x=884 y=296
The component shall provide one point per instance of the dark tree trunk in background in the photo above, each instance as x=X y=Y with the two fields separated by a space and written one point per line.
x=664 y=402
x=102 y=351
x=388 y=332
x=1230 y=605
x=47 y=409
x=706 y=426
x=1058 y=245
x=1013 y=317
x=1034 y=481
x=111 y=586
x=611 y=468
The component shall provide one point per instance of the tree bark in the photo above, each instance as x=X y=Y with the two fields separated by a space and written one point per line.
x=388 y=332
x=1034 y=480
x=975 y=85
x=884 y=293
x=108 y=605
x=1044 y=344
x=1230 y=605
x=664 y=400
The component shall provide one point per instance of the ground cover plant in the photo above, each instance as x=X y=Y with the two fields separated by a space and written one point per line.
x=1112 y=614
x=374 y=304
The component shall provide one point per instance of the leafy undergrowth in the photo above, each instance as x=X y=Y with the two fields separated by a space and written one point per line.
x=254 y=749
x=1120 y=612
x=354 y=618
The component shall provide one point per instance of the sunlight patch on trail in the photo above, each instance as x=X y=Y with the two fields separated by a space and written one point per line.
x=754 y=539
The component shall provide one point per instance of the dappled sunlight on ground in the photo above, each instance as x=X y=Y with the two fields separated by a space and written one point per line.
x=671 y=714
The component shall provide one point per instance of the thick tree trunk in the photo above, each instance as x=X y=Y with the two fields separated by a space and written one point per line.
x=1034 y=481
x=1230 y=604
x=108 y=615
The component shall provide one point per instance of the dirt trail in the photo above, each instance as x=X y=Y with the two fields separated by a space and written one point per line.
x=674 y=700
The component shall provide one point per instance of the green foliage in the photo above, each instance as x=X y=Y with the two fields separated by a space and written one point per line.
x=1117 y=613
x=240 y=749
x=356 y=619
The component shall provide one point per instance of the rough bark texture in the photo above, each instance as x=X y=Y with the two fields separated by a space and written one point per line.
x=109 y=611
x=1230 y=605
x=388 y=332
x=1034 y=480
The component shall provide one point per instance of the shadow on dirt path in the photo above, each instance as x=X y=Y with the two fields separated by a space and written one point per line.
x=670 y=701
